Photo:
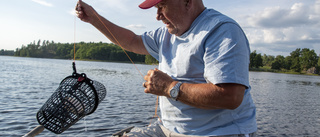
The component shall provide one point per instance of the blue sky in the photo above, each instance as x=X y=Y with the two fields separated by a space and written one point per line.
x=273 y=27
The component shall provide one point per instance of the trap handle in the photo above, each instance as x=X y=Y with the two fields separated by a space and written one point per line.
x=74 y=67
x=37 y=130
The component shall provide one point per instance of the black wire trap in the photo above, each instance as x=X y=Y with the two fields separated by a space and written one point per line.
x=76 y=97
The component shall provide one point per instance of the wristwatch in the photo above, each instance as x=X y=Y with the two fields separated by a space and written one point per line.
x=174 y=92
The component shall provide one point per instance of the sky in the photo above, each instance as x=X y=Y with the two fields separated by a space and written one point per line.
x=273 y=27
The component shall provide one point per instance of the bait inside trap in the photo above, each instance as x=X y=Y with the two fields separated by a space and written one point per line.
x=76 y=97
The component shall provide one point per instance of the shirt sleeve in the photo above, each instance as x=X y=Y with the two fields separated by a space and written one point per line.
x=152 y=41
x=227 y=55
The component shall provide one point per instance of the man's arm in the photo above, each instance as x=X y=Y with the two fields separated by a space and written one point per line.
x=210 y=96
x=204 y=96
x=118 y=35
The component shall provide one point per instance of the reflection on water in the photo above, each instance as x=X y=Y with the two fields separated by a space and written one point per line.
x=304 y=83
x=103 y=71
x=287 y=105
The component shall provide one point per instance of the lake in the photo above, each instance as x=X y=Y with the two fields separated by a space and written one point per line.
x=287 y=105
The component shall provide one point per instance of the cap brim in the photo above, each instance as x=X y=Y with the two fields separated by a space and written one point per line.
x=149 y=3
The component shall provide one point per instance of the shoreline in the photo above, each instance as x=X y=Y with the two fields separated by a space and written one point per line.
x=261 y=69
x=266 y=69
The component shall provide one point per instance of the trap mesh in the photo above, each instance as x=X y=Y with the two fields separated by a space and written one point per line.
x=76 y=97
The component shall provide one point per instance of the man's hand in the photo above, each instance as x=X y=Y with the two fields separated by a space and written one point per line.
x=85 y=12
x=158 y=83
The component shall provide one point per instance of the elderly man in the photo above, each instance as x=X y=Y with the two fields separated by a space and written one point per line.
x=203 y=75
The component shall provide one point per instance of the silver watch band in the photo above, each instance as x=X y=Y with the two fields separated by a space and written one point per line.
x=177 y=87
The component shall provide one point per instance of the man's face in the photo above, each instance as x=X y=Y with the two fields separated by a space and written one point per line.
x=173 y=13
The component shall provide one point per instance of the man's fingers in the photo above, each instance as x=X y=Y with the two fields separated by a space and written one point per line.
x=78 y=6
x=144 y=84
x=149 y=74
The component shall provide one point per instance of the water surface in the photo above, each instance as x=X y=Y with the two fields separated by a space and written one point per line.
x=287 y=105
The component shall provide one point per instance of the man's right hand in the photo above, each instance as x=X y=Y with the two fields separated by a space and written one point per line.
x=85 y=12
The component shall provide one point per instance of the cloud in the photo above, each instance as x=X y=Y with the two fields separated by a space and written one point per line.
x=317 y=6
x=124 y=6
x=276 y=17
x=44 y=3
x=280 y=29
x=139 y=26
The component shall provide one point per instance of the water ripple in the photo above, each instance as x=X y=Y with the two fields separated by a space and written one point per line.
x=287 y=105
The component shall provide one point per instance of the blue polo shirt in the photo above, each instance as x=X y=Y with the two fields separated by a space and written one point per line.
x=214 y=50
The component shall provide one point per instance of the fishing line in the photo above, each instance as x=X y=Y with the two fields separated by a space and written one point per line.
x=156 y=106
x=74 y=39
x=118 y=43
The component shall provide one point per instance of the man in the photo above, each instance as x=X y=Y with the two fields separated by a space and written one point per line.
x=202 y=80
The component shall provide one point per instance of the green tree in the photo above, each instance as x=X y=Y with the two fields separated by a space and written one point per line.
x=267 y=60
x=295 y=56
x=318 y=65
x=6 y=52
x=308 y=59
x=17 y=52
x=319 y=61
x=278 y=62
x=150 y=60
x=255 y=60
x=287 y=62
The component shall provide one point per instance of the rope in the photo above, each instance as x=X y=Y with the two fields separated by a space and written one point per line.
x=74 y=39
x=155 y=111
x=118 y=43
x=157 y=102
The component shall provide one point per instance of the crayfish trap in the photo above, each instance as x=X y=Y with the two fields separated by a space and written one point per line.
x=76 y=97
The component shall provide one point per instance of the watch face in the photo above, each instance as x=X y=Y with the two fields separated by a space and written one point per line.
x=174 y=93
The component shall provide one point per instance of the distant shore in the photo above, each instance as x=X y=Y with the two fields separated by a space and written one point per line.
x=268 y=69
x=260 y=69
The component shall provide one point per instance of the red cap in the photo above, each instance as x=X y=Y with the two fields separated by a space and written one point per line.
x=149 y=3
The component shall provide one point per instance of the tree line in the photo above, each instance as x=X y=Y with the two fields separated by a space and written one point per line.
x=300 y=60
x=7 y=52
x=83 y=51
